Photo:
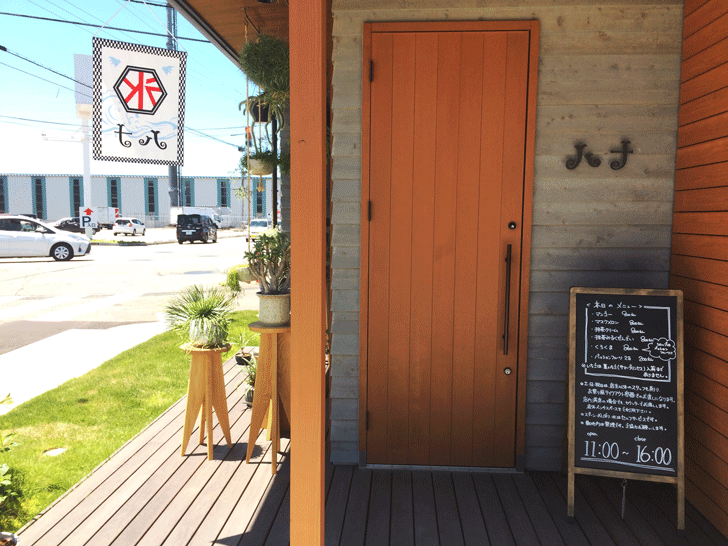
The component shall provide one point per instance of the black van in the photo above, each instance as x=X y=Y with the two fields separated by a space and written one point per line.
x=196 y=227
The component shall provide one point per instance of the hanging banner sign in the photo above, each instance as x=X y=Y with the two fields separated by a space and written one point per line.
x=139 y=103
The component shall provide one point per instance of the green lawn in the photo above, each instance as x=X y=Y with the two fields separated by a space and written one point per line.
x=93 y=415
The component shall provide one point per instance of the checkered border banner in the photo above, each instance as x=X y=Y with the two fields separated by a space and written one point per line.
x=99 y=43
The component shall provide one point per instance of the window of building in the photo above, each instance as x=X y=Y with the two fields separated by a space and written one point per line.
x=150 y=196
x=76 y=193
x=223 y=192
x=39 y=197
x=188 y=192
x=259 y=203
x=114 y=193
x=3 y=194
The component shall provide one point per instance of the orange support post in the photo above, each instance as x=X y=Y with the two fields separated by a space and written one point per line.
x=307 y=38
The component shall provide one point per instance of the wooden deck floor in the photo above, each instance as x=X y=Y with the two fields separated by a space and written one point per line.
x=147 y=494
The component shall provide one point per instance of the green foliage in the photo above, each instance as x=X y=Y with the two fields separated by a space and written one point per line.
x=201 y=316
x=269 y=261
x=252 y=370
x=11 y=494
x=266 y=63
x=235 y=275
x=92 y=416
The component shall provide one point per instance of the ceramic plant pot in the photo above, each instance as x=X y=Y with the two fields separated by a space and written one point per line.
x=274 y=309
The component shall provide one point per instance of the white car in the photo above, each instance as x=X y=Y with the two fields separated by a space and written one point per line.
x=130 y=226
x=257 y=227
x=21 y=236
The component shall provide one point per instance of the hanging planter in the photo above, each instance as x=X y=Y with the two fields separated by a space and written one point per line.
x=261 y=167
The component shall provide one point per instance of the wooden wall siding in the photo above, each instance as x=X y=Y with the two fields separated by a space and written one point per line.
x=699 y=261
x=605 y=73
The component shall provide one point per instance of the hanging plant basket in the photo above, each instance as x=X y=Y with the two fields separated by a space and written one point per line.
x=261 y=167
x=260 y=112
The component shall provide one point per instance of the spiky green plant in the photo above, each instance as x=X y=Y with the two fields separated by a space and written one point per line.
x=201 y=316
x=266 y=63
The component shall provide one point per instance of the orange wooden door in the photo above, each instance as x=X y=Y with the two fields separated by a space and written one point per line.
x=447 y=139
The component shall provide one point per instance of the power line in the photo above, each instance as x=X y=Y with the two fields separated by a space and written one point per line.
x=187 y=128
x=45 y=80
x=44 y=67
x=41 y=121
x=78 y=23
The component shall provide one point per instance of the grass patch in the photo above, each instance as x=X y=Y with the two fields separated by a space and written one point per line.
x=93 y=415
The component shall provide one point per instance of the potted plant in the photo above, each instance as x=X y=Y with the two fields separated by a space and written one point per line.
x=269 y=262
x=250 y=381
x=202 y=316
x=259 y=163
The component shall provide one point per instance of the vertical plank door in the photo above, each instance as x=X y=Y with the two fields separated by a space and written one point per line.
x=447 y=143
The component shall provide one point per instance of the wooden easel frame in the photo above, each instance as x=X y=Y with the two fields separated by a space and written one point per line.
x=679 y=479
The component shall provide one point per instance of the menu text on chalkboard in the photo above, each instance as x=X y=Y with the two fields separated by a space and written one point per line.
x=626 y=384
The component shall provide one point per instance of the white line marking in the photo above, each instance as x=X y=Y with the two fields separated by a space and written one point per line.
x=90 y=307
x=32 y=306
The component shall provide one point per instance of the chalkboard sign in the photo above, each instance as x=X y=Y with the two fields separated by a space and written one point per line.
x=626 y=384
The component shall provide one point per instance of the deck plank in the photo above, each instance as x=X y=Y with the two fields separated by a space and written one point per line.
x=644 y=505
x=539 y=515
x=496 y=523
x=355 y=520
x=72 y=510
x=614 y=525
x=380 y=508
x=124 y=504
x=181 y=491
x=336 y=503
x=555 y=504
x=587 y=519
x=471 y=516
x=236 y=491
x=448 y=519
x=612 y=490
x=280 y=532
x=403 y=518
x=423 y=504
x=261 y=521
x=664 y=499
x=523 y=532
x=204 y=505
x=242 y=516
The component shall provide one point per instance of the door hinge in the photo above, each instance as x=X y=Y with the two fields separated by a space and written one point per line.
x=371 y=70
x=369 y=211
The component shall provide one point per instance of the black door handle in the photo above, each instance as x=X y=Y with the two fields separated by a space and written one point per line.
x=509 y=250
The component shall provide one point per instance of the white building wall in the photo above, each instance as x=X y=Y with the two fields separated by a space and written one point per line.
x=132 y=197
x=20 y=198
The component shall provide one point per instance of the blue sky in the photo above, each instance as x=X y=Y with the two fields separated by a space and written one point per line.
x=215 y=86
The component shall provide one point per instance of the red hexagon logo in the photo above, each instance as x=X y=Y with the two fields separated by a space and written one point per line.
x=140 y=90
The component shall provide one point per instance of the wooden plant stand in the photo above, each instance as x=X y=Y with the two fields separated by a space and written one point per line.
x=205 y=392
x=272 y=387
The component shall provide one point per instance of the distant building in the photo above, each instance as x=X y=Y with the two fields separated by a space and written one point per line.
x=54 y=196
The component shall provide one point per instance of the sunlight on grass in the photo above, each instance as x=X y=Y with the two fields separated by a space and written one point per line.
x=95 y=414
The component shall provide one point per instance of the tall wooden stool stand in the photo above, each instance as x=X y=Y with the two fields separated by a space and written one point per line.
x=205 y=392
x=272 y=386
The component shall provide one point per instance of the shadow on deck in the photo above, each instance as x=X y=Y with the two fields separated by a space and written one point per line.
x=147 y=494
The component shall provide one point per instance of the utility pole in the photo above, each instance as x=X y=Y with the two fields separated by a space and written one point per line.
x=172 y=45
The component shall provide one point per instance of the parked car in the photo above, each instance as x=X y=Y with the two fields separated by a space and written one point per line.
x=130 y=226
x=72 y=224
x=196 y=227
x=256 y=227
x=21 y=236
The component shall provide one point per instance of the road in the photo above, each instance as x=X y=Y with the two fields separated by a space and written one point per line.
x=105 y=302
